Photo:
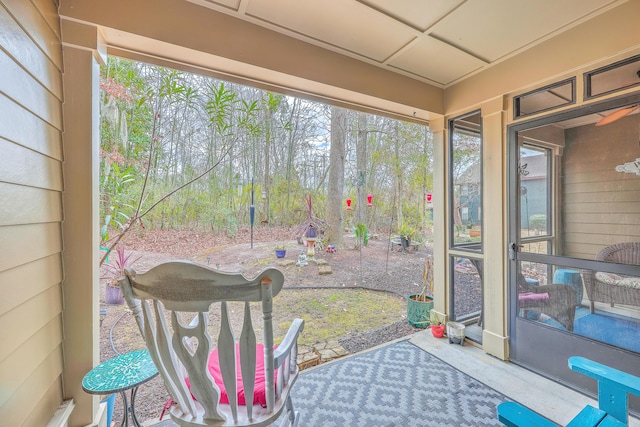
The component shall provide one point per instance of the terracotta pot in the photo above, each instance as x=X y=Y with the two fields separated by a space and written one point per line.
x=437 y=330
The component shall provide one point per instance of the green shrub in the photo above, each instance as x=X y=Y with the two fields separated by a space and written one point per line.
x=362 y=234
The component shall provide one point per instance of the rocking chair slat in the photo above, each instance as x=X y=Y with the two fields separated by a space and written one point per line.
x=157 y=344
x=267 y=306
x=248 y=356
x=227 y=357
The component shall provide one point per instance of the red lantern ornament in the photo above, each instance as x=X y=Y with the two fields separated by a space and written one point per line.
x=369 y=199
x=348 y=203
x=429 y=197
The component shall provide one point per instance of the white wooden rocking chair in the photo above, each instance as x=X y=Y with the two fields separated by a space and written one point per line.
x=210 y=387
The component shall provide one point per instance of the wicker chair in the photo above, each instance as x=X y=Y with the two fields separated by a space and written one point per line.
x=557 y=301
x=612 y=288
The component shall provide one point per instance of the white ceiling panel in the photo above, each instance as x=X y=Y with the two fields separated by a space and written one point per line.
x=451 y=64
x=411 y=37
x=231 y=4
x=493 y=29
x=418 y=14
x=346 y=24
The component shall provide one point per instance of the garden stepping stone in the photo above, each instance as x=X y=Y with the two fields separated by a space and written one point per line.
x=324 y=269
x=330 y=350
x=321 y=352
x=307 y=357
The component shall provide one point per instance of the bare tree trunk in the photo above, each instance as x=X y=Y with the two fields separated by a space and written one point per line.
x=267 y=172
x=398 y=174
x=361 y=167
x=290 y=150
x=335 y=185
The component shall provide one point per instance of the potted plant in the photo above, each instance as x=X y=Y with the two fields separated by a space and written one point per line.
x=419 y=305
x=406 y=234
x=437 y=326
x=474 y=231
x=281 y=250
x=114 y=272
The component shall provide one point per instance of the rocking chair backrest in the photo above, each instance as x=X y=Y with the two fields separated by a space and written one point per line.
x=182 y=350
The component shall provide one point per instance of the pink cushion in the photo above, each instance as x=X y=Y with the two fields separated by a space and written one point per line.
x=531 y=296
x=259 y=394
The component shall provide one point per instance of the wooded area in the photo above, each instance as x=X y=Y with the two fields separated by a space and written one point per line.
x=162 y=129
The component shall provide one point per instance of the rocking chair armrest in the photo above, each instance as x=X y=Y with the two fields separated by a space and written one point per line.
x=606 y=374
x=290 y=339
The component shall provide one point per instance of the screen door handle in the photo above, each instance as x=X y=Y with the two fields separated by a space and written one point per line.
x=513 y=249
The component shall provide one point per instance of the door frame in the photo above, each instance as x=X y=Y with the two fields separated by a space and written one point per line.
x=532 y=351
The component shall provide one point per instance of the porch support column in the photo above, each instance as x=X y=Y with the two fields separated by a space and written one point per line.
x=440 y=259
x=494 y=334
x=82 y=53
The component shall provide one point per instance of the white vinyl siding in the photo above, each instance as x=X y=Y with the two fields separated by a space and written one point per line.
x=31 y=184
x=600 y=205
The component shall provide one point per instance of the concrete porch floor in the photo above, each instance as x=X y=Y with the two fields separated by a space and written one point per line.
x=555 y=401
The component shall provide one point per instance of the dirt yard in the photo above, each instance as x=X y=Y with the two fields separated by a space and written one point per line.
x=374 y=268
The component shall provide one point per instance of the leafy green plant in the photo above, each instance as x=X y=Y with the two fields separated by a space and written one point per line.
x=116 y=199
x=362 y=234
x=434 y=319
x=122 y=261
x=406 y=231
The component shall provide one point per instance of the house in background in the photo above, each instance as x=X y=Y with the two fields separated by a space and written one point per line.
x=534 y=74
x=467 y=187
x=533 y=192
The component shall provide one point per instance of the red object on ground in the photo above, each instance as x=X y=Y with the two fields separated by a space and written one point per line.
x=437 y=330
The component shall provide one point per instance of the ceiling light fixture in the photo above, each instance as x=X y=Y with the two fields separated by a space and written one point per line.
x=617 y=115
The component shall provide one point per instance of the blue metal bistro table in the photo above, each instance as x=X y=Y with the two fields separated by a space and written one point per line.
x=124 y=372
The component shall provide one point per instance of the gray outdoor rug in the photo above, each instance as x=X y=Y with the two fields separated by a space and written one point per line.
x=393 y=386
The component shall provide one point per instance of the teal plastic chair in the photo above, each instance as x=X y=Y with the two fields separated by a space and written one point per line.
x=613 y=389
x=110 y=400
